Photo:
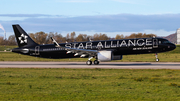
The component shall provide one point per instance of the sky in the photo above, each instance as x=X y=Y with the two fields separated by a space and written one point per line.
x=111 y=17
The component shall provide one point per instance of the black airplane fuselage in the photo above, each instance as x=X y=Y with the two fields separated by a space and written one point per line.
x=100 y=50
x=118 y=47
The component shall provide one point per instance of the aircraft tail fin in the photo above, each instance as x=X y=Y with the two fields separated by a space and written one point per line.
x=23 y=39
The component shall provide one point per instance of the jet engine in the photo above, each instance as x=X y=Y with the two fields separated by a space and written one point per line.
x=108 y=56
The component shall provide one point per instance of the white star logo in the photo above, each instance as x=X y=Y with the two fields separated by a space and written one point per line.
x=23 y=38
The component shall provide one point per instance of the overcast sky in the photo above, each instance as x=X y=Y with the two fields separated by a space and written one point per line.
x=160 y=17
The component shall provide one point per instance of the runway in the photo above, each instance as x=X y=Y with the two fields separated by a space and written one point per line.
x=104 y=65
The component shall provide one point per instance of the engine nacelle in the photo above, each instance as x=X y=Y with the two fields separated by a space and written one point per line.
x=108 y=56
x=104 y=55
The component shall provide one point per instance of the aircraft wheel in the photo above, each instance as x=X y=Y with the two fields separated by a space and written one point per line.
x=89 y=62
x=96 y=62
x=157 y=60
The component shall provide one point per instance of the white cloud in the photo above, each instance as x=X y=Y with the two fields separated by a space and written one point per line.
x=25 y=15
x=11 y=17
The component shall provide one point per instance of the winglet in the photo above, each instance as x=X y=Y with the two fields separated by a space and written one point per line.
x=55 y=43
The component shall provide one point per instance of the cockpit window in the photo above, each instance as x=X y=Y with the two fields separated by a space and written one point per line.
x=166 y=41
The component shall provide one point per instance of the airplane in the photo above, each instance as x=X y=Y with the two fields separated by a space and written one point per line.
x=106 y=50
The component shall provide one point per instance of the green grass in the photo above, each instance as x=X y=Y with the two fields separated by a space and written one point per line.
x=36 y=84
x=89 y=84
x=7 y=48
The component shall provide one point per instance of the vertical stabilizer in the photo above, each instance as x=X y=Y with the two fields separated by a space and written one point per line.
x=22 y=37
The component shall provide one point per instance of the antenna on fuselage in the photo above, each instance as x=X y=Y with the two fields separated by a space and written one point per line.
x=90 y=39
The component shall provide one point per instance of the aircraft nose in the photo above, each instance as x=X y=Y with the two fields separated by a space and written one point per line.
x=172 y=46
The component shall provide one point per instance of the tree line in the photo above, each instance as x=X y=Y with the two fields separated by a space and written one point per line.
x=45 y=38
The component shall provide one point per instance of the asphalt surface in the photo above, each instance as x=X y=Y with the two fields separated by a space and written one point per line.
x=105 y=65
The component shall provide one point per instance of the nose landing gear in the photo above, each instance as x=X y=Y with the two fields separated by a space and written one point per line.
x=156 y=55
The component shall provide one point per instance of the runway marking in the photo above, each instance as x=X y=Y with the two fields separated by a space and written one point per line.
x=105 y=65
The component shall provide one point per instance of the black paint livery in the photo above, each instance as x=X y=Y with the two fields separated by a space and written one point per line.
x=100 y=50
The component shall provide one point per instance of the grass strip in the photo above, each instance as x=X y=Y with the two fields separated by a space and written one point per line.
x=89 y=84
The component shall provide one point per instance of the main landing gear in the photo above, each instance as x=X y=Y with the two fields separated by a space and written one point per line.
x=89 y=62
x=156 y=55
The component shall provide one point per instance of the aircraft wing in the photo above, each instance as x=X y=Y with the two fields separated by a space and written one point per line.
x=82 y=52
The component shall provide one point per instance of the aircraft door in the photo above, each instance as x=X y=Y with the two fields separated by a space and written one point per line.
x=155 y=43
x=37 y=50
